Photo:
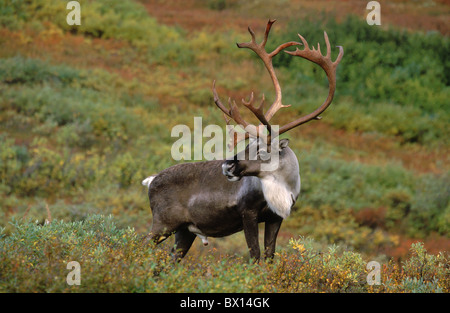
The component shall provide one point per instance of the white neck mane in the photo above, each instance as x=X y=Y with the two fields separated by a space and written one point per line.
x=280 y=196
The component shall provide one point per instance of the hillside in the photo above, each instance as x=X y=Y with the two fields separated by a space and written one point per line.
x=86 y=113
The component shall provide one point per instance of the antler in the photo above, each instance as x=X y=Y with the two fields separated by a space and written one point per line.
x=260 y=50
x=328 y=66
x=312 y=55
x=233 y=112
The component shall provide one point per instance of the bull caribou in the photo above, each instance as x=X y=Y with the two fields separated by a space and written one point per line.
x=221 y=197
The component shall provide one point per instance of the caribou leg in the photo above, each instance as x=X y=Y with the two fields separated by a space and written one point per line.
x=270 y=237
x=183 y=242
x=250 y=223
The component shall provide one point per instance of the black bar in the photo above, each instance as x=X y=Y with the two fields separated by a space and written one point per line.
x=224 y=302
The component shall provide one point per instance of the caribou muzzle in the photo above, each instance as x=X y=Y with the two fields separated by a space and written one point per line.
x=230 y=170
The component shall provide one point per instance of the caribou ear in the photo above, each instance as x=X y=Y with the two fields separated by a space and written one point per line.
x=284 y=143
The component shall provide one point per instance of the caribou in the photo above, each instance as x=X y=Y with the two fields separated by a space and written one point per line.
x=221 y=197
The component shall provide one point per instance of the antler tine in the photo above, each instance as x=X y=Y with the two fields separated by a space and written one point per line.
x=229 y=114
x=227 y=119
x=305 y=43
x=218 y=102
x=233 y=112
x=328 y=56
x=253 y=44
x=266 y=34
x=252 y=33
x=260 y=50
x=327 y=42
x=330 y=69
x=249 y=101
x=257 y=111
x=316 y=56
x=236 y=116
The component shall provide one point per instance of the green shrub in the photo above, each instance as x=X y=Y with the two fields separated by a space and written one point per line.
x=430 y=208
x=12 y=159
x=125 y=20
x=33 y=258
x=332 y=188
x=84 y=109
x=341 y=184
x=20 y=70
x=398 y=81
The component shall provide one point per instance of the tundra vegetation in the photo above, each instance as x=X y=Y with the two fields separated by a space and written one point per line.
x=86 y=113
